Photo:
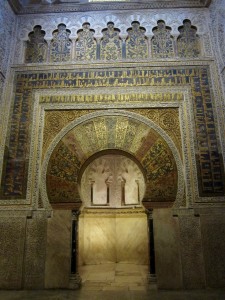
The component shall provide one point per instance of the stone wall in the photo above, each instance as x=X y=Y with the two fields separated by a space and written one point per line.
x=189 y=248
x=7 y=34
x=7 y=38
x=213 y=243
x=217 y=14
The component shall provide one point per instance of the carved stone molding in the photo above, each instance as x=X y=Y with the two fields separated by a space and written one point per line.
x=12 y=240
x=112 y=211
x=35 y=252
x=85 y=6
x=191 y=252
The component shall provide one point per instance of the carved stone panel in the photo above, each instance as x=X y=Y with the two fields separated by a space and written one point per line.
x=191 y=252
x=12 y=240
x=35 y=249
x=213 y=232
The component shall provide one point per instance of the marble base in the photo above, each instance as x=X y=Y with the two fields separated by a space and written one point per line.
x=58 y=250
x=111 y=238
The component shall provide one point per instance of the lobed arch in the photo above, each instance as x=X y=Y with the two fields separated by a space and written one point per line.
x=65 y=159
x=128 y=42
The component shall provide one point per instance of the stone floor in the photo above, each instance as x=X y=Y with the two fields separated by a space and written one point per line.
x=113 y=282
x=108 y=277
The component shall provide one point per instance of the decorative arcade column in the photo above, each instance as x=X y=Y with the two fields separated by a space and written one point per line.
x=75 y=279
x=152 y=275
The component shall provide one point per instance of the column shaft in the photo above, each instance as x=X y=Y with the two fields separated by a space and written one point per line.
x=75 y=280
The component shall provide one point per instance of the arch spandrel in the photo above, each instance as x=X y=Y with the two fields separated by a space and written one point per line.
x=105 y=132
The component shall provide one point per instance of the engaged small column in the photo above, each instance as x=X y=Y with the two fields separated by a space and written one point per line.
x=152 y=274
x=75 y=279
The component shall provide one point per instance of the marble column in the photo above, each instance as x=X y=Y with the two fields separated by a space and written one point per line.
x=75 y=279
x=98 y=53
x=152 y=274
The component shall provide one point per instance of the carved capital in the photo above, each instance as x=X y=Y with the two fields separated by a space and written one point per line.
x=75 y=215
x=149 y=213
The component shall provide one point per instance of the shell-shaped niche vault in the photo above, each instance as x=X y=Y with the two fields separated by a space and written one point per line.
x=112 y=180
x=98 y=134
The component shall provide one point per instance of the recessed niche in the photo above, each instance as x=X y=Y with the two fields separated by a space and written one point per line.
x=112 y=180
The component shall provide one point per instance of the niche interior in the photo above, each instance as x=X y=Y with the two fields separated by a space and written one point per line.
x=112 y=224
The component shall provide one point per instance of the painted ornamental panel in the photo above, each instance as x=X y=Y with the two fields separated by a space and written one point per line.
x=188 y=43
x=136 y=43
x=162 y=41
x=111 y=44
x=86 y=43
x=60 y=45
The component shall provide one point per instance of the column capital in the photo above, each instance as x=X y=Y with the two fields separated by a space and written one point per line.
x=149 y=213
x=75 y=214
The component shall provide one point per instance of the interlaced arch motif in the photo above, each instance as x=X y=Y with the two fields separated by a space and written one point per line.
x=113 y=45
